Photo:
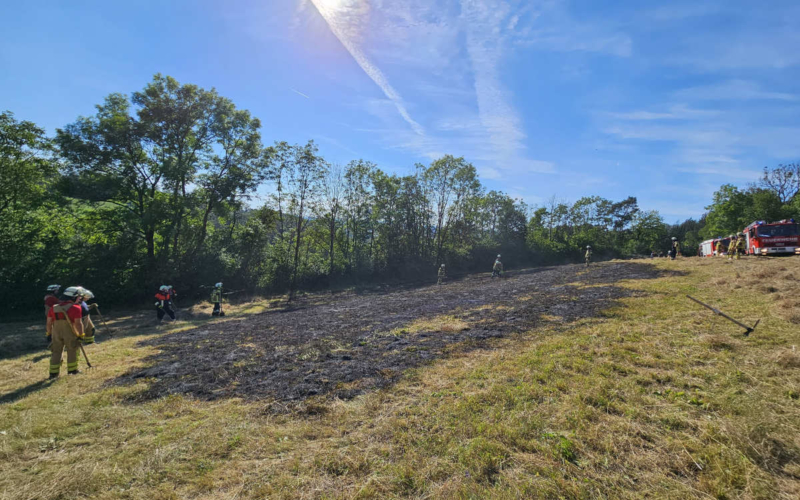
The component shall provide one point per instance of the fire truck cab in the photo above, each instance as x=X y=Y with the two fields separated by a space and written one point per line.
x=777 y=238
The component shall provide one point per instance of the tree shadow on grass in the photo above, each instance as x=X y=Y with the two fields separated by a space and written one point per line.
x=349 y=346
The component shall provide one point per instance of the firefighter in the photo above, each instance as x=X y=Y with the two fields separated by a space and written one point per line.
x=88 y=325
x=732 y=247
x=164 y=304
x=50 y=299
x=216 y=298
x=740 y=245
x=588 y=255
x=497 y=268
x=65 y=326
x=676 y=248
x=441 y=275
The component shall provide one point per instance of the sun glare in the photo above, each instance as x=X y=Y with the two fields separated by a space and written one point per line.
x=329 y=6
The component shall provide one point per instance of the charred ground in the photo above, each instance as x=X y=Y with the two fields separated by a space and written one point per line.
x=345 y=345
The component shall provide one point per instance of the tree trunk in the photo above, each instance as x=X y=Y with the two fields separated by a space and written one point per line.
x=333 y=237
x=297 y=251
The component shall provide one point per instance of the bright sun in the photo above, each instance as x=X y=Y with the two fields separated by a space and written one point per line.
x=328 y=6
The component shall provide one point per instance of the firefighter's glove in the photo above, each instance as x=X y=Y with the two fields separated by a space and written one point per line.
x=93 y=306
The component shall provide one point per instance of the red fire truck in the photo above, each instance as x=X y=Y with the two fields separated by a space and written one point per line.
x=716 y=247
x=772 y=239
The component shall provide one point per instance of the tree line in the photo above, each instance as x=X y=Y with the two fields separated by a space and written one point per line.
x=160 y=187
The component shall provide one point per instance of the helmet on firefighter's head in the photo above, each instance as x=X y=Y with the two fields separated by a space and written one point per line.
x=73 y=292
x=218 y=285
x=732 y=236
x=674 y=238
x=588 y=246
x=498 y=256
x=54 y=288
x=163 y=288
x=442 y=265
x=86 y=294
x=169 y=287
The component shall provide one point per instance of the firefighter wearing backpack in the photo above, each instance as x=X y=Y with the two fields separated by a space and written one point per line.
x=441 y=275
x=497 y=269
x=64 y=325
x=588 y=255
x=216 y=298
x=164 y=303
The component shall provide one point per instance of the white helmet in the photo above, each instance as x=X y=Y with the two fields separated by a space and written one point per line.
x=54 y=288
x=674 y=238
x=218 y=285
x=73 y=292
x=163 y=288
x=588 y=246
x=442 y=265
x=498 y=256
x=87 y=294
x=169 y=286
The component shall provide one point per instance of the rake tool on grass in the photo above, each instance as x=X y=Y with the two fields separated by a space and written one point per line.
x=748 y=330
x=105 y=325
x=84 y=354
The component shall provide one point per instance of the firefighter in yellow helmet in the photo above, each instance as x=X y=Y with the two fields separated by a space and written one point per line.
x=732 y=246
x=441 y=275
x=65 y=326
x=740 y=245
x=216 y=298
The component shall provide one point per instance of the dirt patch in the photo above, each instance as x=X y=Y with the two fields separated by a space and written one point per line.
x=355 y=343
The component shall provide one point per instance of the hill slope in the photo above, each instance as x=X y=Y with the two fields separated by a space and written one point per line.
x=551 y=382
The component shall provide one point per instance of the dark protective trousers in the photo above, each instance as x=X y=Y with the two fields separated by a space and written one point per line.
x=167 y=309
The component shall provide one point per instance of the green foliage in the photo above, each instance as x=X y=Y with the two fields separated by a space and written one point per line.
x=158 y=188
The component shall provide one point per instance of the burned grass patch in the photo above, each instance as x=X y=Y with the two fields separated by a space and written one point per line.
x=360 y=342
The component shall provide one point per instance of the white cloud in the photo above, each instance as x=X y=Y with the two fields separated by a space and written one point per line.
x=676 y=112
x=345 y=19
x=734 y=90
x=674 y=12
x=724 y=172
x=753 y=47
x=616 y=44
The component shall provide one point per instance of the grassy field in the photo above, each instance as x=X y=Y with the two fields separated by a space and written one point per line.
x=656 y=398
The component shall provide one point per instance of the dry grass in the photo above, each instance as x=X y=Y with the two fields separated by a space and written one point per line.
x=658 y=398
x=447 y=324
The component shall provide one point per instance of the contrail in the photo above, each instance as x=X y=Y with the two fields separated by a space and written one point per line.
x=339 y=27
x=300 y=93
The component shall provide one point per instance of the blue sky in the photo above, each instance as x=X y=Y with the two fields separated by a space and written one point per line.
x=564 y=98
